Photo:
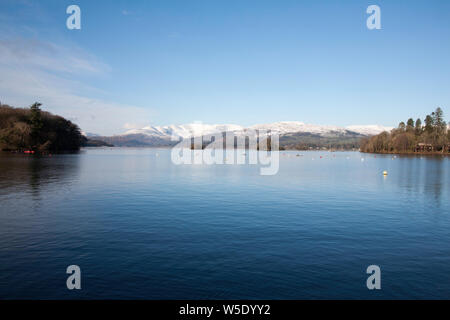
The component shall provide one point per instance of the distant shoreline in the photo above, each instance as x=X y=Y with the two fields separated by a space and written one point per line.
x=284 y=150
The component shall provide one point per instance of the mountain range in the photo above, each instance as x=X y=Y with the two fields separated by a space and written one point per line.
x=293 y=134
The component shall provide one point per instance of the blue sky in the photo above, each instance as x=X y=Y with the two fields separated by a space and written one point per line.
x=135 y=63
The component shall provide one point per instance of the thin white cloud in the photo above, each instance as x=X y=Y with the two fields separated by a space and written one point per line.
x=49 y=56
x=45 y=72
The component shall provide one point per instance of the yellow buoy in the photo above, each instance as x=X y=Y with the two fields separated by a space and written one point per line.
x=384 y=173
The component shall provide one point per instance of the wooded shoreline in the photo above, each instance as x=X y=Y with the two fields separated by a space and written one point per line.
x=434 y=153
x=412 y=137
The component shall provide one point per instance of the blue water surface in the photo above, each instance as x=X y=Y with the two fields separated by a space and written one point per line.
x=141 y=227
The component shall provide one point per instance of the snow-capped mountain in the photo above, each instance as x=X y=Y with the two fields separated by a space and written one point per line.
x=284 y=127
x=185 y=130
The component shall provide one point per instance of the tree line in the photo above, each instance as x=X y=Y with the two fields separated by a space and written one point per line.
x=31 y=129
x=433 y=135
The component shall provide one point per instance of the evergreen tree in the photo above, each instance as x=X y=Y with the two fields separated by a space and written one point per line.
x=429 y=124
x=410 y=124
x=36 y=123
x=418 y=126
x=438 y=120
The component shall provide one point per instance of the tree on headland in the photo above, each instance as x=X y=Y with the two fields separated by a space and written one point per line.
x=433 y=136
x=36 y=123
x=33 y=129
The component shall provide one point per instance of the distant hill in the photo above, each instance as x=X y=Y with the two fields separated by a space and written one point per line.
x=347 y=140
x=89 y=142
x=31 y=129
x=137 y=140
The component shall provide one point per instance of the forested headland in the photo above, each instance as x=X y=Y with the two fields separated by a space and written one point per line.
x=37 y=131
x=430 y=136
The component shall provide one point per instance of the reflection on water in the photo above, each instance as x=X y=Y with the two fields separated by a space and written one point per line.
x=31 y=174
x=425 y=175
x=435 y=177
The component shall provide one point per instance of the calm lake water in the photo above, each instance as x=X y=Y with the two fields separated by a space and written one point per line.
x=141 y=227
